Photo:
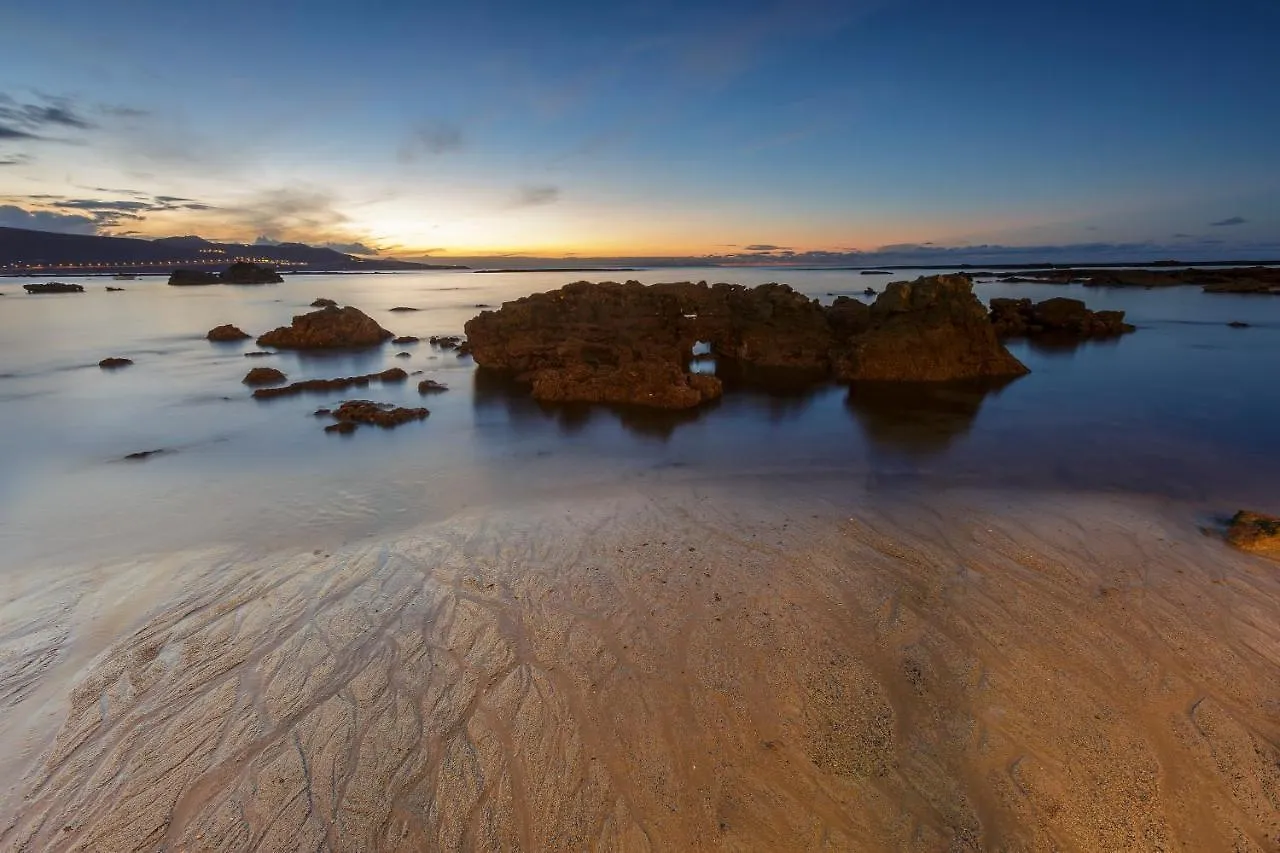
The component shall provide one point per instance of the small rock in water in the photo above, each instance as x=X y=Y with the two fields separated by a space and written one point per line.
x=324 y=303
x=227 y=333
x=264 y=376
x=430 y=386
x=403 y=308
x=446 y=341
x=403 y=355
x=257 y=354
x=354 y=412
x=1253 y=531
x=1238 y=324
x=343 y=427
x=405 y=339
x=145 y=454
x=113 y=363
x=115 y=289
x=53 y=287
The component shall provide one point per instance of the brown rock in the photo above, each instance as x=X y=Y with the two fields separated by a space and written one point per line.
x=401 y=309
x=114 y=363
x=245 y=272
x=258 y=354
x=393 y=374
x=430 y=386
x=445 y=341
x=1253 y=531
x=324 y=303
x=405 y=339
x=264 y=376
x=1058 y=317
x=931 y=330
x=384 y=415
x=111 y=289
x=53 y=287
x=227 y=333
x=328 y=328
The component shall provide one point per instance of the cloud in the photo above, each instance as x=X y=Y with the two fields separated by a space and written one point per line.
x=1226 y=223
x=14 y=160
x=536 y=196
x=1181 y=236
x=765 y=247
x=432 y=139
x=356 y=248
x=33 y=120
x=12 y=216
x=109 y=213
x=9 y=132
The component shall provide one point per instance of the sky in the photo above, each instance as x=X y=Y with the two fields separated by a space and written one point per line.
x=797 y=131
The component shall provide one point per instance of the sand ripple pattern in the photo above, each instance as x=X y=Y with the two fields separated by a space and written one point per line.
x=692 y=669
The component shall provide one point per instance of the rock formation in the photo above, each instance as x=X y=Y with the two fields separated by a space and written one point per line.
x=1262 y=280
x=1059 y=316
x=1253 y=531
x=342 y=383
x=405 y=339
x=114 y=363
x=354 y=412
x=430 y=386
x=324 y=303
x=193 y=278
x=328 y=328
x=244 y=272
x=53 y=287
x=628 y=343
x=445 y=341
x=115 y=289
x=931 y=330
x=226 y=334
x=264 y=376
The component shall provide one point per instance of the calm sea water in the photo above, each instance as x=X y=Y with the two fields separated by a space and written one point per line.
x=1186 y=407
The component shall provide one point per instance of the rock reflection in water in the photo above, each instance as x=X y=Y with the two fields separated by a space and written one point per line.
x=918 y=419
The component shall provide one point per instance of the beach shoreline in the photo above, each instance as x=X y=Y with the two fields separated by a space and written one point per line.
x=670 y=666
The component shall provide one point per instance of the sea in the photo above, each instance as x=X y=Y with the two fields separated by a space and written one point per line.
x=1186 y=408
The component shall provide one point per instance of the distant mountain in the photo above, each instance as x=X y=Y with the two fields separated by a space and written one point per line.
x=43 y=251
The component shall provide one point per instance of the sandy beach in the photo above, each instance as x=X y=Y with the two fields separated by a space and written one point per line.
x=707 y=665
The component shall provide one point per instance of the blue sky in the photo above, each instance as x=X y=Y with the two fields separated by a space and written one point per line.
x=654 y=128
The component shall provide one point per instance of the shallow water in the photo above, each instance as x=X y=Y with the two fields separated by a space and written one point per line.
x=1185 y=407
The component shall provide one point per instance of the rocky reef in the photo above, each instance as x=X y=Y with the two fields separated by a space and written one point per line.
x=632 y=344
x=53 y=287
x=353 y=413
x=1058 y=317
x=241 y=272
x=328 y=328
x=1262 y=280
x=341 y=383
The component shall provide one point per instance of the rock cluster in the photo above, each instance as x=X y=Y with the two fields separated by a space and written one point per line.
x=445 y=341
x=1262 y=280
x=431 y=386
x=328 y=328
x=352 y=413
x=1061 y=317
x=394 y=374
x=324 y=303
x=1253 y=531
x=53 y=287
x=628 y=343
x=114 y=363
x=227 y=334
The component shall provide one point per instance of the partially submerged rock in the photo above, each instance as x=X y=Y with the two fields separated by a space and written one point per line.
x=354 y=412
x=264 y=376
x=114 y=363
x=628 y=343
x=430 y=386
x=405 y=339
x=445 y=341
x=193 y=278
x=1059 y=317
x=143 y=455
x=53 y=287
x=393 y=374
x=227 y=334
x=111 y=289
x=328 y=328
x=244 y=272
x=1260 y=280
x=258 y=354
x=402 y=309
x=1253 y=531
x=324 y=303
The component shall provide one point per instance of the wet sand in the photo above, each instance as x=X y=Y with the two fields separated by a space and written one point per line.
x=719 y=666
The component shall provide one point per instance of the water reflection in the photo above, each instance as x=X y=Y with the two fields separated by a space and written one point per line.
x=918 y=419
x=1064 y=346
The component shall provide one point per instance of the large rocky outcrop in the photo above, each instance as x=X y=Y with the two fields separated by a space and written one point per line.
x=1058 y=317
x=328 y=328
x=628 y=343
x=244 y=272
x=930 y=330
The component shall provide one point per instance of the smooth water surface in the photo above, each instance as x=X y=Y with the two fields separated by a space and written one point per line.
x=1185 y=407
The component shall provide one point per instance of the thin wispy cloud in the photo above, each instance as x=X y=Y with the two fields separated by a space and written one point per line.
x=536 y=196
x=1228 y=222
x=434 y=140
x=12 y=216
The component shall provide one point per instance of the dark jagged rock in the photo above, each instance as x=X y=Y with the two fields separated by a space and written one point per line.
x=53 y=287
x=144 y=454
x=393 y=374
x=876 y=272
x=258 y=354
x=931 y=330
x=404 y=355
x=324 y=303
x=1261 y=280
x=402 y=309
x=193 y=278
x=328 y=328
x=244 y=272
x=264 y=376
x=430 y=386
x=227 y=334
x=354 y=412
x=405 y=339
x=341 y=427
x=1059 y=317
x=1238 y=324
x=870 y=291
x=628 y=343
x=1253 y=531
x=114 y=363
x=445 y=341
x=482 y=305
x=114 y=289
